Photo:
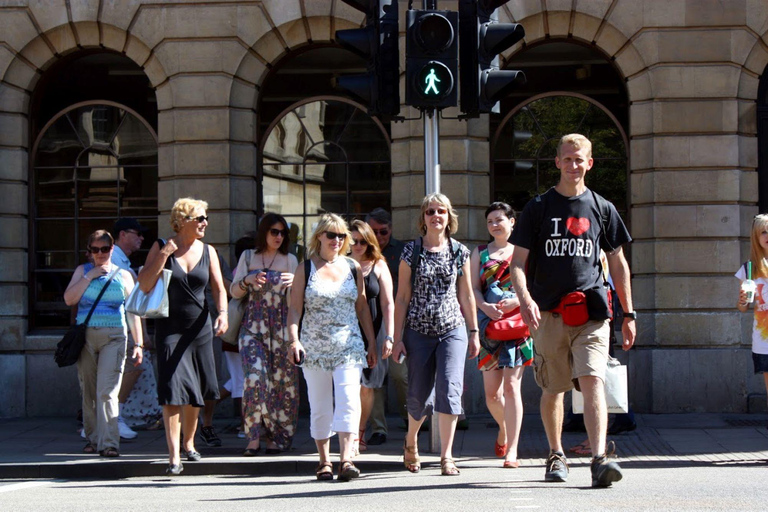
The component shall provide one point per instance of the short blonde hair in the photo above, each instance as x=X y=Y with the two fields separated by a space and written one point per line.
x=372 y=252
x=576 y=140
x=442 y=200
x=329 y=222
x=183 y=208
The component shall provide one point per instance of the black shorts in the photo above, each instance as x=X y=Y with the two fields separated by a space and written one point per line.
x=761 y=362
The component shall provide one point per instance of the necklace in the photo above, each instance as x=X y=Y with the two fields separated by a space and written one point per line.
x=269 y=267
x=331 y=262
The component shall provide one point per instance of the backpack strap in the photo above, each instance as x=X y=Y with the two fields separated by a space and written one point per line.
x=602 y=208
x=456 y=253
x=415 y=258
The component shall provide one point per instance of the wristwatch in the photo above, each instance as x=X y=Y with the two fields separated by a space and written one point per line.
x=631 y=314
x=389 y=338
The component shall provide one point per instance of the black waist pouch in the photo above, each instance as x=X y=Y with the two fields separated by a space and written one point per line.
x=598 y=305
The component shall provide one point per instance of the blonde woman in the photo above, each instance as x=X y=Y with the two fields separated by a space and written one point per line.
x=186 y=369
x=378 y=292
x=331 y=297
x=430 y=328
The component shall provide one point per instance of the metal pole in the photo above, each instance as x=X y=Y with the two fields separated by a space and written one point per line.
x=431 y=152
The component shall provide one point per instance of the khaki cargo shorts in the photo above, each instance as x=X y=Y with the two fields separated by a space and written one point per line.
x=564 y=353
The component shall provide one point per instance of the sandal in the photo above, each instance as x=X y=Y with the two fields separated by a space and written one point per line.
x=89 y=448
x=583 y=448
x=324 y=471
x=413 y=463
x=347 y=471
x=511 y=464
x=362 y=446
x=109 y=452
x=448 y=467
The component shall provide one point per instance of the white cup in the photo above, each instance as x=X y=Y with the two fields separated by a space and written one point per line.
x=749 y=287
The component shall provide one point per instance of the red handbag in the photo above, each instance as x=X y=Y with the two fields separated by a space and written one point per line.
x=509 y=327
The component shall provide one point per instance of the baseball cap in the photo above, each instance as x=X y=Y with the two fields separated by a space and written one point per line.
x=126 y=223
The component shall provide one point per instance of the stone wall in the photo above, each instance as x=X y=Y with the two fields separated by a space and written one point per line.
x=692 y=69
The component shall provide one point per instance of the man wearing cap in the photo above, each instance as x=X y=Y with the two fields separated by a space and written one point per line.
x=128 y=235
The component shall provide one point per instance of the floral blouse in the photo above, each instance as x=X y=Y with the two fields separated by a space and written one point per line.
x=434 y=308
x=329 y=330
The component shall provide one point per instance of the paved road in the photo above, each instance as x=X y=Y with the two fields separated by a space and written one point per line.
x=481 y=486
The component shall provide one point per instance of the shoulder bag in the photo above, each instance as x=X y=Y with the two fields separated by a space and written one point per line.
x=511 y=325
x=69 y=348
x=235 y=312
x=153 y=304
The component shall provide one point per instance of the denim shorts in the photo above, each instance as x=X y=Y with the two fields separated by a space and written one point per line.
x=761 y=362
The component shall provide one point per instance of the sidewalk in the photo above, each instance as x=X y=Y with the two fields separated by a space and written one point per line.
x=52 y=448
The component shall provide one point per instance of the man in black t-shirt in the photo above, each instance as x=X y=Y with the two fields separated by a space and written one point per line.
x=558 y=238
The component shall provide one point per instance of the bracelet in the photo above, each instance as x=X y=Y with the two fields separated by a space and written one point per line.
x=242 y=285
x=139 y=346
x=389 y=339
x=86 y=277
x=474 y=330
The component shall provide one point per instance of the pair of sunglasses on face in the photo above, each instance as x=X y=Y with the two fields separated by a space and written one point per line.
x=433 y=211
x=102 y=250
x=278 y=232
x=330 y=235
x=382 y=232
x=199 y=219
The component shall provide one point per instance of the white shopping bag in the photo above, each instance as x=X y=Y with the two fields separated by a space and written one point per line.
x=615 y=390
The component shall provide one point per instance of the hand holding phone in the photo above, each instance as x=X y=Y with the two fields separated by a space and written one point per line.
x=300 y=360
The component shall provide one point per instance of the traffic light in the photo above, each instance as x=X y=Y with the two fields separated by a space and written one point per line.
x=431 y=49
x=483 y=38
x=379 y=87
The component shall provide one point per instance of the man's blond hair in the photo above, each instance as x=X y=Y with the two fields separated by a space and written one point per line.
x=576 y=140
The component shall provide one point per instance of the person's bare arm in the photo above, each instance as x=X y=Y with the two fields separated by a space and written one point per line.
x=529 y=310
x=466 y=299
x=364 y=317
x=387 y=302
x=294 y=312
x=619 y=269
x=155 y=263
x=218 y=291
x=402 y=301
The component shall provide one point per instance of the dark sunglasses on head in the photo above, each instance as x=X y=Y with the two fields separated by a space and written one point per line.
x=201 y=218
x=362 y=242
x=382 y=232
x=278 y=232
x=330 y=235
x=102 y=250
x=432 y=211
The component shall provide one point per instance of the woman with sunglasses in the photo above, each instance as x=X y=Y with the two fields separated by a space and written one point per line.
x=270 y=392
x=186 y=375
x=378 y=292
x=331 y=298
x=100 y=366
x=430 y=329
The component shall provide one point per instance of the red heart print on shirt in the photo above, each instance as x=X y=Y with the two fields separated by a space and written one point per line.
x=577 y=225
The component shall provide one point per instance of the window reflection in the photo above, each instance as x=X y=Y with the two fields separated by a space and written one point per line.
x=524 y=152
x=93 y=164
x=325 y=156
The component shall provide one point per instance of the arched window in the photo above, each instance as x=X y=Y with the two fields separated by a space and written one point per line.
x=92 y=163
x=335 y=158
x=525 y=144
x=762 y=142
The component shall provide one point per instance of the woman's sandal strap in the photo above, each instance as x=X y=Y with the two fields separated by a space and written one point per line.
x=411 y=464
x=448 y=467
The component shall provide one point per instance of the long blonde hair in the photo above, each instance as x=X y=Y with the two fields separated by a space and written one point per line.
x=756 y=253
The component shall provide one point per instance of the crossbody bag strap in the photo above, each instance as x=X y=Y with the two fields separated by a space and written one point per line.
x=101 y=294
x=415 y=257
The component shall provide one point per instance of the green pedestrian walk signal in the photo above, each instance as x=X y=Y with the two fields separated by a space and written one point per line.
x=432 y=65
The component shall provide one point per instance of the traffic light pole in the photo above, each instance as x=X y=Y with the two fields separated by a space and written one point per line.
x=431 y=151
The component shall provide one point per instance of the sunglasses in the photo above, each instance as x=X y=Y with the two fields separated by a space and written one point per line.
x=201 y=218
x=330 y=235
x=382 y=232
x=278 y=232
x=362 y=242
x=102 y=250
x=432 y=211
x=134 y=232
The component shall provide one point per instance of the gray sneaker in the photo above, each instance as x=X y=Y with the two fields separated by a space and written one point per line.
x=604 y=471
x=557 y=468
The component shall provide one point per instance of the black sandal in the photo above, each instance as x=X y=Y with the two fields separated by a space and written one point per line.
x=109 y=452
x=89 y=448
x=324 y=471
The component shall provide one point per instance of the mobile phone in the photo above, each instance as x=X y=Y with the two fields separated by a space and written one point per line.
x=401 y=358
x=301 y=358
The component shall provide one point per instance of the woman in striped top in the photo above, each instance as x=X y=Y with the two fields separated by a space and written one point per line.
x=100 y=367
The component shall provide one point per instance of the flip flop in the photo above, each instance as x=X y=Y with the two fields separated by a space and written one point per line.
x=583 y=448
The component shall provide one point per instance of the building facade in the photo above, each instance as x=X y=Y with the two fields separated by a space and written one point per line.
x=118 y=107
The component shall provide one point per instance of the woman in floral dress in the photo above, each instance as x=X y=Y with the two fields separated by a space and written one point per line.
x=270 y=391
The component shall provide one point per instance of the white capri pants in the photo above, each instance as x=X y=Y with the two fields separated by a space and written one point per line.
x=236 y=378
x=342 y=385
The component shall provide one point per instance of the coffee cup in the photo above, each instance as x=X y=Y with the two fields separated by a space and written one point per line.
x=749 y=287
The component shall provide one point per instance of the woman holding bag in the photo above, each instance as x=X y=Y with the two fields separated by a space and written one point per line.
x=270 y=394
x=100 y=366
x=186 y=367
x=502 y=362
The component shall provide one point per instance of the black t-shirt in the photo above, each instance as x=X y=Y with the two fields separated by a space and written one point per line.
x=563 y=235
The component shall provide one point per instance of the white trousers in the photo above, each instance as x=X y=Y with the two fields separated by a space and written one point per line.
x=341 y=386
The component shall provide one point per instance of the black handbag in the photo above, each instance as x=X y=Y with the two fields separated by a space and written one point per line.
x=69 y=348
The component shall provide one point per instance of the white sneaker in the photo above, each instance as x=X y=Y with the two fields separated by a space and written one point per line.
x=125 y=430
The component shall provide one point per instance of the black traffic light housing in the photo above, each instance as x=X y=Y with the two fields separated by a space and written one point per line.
x=377 y=42
x=482 y=40
x=431 y=49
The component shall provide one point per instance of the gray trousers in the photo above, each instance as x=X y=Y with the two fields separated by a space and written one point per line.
x=100 y=371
